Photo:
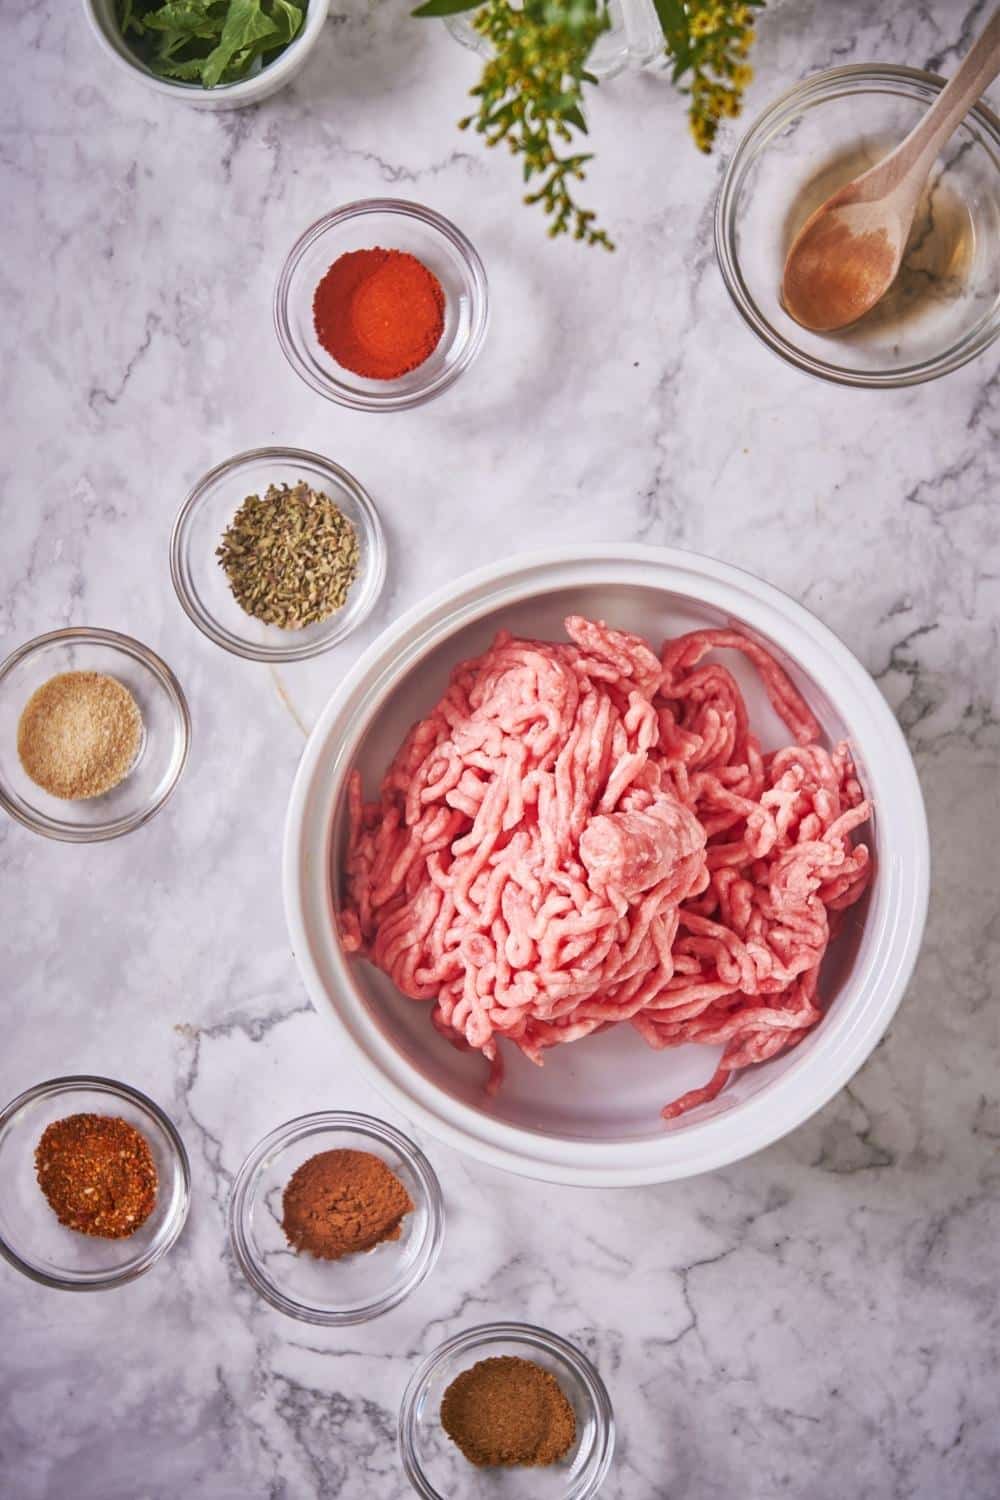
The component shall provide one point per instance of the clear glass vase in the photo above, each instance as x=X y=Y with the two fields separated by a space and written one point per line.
x=634 y=40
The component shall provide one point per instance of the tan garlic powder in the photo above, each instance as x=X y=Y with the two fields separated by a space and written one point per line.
x=79 y=734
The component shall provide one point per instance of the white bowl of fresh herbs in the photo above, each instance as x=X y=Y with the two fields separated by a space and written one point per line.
x=213 y=54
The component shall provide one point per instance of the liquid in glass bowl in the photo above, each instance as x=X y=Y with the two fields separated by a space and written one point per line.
x=944 y=307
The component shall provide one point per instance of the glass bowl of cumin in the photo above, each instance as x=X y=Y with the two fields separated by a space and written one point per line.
x=31 y=1237
x=162 y=749
x=437 y=1469
x=203 y=587
x=355 y=1287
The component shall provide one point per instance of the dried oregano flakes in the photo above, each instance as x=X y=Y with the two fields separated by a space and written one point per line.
x=290 y=556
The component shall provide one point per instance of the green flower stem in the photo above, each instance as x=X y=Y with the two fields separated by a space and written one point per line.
x=531 y=93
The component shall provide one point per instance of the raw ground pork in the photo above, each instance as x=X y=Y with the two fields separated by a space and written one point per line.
x=584 y=834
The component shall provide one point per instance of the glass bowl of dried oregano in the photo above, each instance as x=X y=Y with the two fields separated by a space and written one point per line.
x=277 y=554
x=94 y=1183
x=94 y=734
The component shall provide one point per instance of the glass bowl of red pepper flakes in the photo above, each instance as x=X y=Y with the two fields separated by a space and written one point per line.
x=354 y=305
x=32 y=1238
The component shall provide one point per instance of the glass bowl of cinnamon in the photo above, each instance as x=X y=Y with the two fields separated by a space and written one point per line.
x=471 y=1422
x=335 y=1217
x=381 y=305
x=94 y=1183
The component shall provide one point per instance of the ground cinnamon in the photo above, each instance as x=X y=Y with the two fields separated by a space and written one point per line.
x=507 y=1411
x=98 y=1175
x=340 y=1202
x=380 y=313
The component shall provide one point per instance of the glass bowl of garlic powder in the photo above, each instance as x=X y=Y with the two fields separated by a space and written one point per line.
x=94 y=734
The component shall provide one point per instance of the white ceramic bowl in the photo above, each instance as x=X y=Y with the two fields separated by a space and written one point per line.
x=273 y=76
x=591 y=1115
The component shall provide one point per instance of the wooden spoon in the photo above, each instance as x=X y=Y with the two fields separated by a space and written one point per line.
x=846 y=255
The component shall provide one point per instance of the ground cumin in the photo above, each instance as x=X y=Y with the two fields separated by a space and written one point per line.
x=340 y=1202
x=98 y=1174
x=508 y=1410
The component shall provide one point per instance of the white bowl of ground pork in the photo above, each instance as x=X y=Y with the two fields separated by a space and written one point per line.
x=591 y=1114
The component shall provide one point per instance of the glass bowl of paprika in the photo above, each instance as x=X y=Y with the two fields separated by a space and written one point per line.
x=72 y=1142
x=381 y=305
x=335 y=1217
x=506 y=1409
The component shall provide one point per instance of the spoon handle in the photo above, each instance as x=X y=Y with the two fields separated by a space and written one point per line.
x=960 y=93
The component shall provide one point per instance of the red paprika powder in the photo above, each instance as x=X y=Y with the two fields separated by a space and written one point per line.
x=379 y=313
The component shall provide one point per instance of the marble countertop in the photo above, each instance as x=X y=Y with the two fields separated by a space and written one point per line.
x=819 y=1320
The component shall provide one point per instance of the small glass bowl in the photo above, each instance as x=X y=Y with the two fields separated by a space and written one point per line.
x=163 y=748
x=357 y=1287
x=390 y=224
x=436 y=1468
x=944 y=307
x=201 y=584
x=31 y=1237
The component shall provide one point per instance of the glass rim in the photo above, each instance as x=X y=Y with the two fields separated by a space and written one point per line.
x=75 y=833
x=209 y=625
x=374 y=1130
x=170 y=1229
x=481 y=1336
x=817 y=88
x=385 y=401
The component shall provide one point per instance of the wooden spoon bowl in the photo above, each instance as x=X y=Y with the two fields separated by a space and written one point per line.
x=847 y=254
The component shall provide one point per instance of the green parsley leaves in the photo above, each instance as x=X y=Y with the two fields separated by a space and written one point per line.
x=208 y=41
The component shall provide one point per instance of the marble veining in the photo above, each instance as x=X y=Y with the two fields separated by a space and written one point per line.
x=819 y=1320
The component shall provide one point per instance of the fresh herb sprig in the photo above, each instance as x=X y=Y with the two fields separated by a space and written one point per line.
x=710 y=40
x=531 y=93
x=207 y=41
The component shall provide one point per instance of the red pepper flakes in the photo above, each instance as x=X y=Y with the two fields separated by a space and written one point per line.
x=98 y=1175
